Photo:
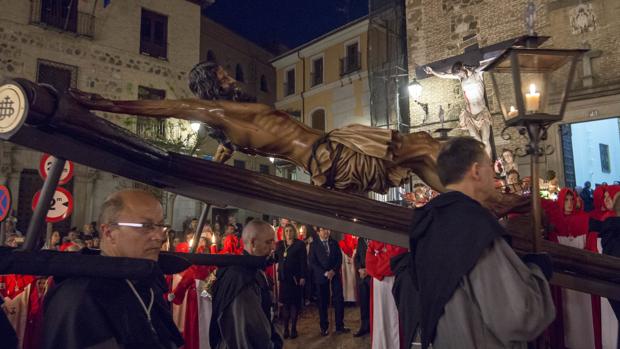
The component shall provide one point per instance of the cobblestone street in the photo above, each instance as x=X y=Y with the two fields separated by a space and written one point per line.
x=309 y=337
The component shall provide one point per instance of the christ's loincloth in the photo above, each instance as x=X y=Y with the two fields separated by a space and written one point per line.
x=478 y=122
x=356 y=158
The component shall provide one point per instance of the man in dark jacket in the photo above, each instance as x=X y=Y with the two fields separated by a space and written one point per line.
x=242 y=298
x=325 y=260
x=89 y=312
x=363 y=287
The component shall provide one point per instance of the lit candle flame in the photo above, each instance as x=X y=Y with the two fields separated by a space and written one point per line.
x=532 y=88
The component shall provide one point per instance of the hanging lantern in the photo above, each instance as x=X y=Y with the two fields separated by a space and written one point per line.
x=531 y=84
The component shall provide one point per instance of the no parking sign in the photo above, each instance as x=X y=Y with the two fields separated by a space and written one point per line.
x=46 y=165
x=61 y=205
x=5 y=202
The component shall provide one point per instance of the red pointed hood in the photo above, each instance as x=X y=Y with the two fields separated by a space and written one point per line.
x=562 y=197
x=599 y=195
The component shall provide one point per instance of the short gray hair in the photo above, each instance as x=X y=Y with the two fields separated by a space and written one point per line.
x=252 y=228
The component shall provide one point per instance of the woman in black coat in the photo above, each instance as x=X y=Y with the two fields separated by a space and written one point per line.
x=292 y=268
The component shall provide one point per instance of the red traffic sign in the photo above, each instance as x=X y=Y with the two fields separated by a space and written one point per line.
x=61 y=205
x=46 y=165
x=5 y=202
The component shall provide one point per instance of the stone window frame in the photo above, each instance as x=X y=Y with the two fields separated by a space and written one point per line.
x=287 y=91
x=264 y=85
x=313 y=82
x=324 y=121
x=345 y=61
x=73 y=69
x=239 y=75
x=151 y=48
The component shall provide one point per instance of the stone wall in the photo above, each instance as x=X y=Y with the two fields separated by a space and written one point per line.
x=441 y=29
x=109 y=63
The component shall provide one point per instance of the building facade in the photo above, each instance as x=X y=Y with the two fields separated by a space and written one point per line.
x=438 y=30
x=140 y=49
x=324 y=83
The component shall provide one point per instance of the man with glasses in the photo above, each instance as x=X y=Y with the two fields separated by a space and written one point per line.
x=91 y=312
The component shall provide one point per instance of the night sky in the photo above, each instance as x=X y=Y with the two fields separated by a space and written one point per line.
x=291 y=22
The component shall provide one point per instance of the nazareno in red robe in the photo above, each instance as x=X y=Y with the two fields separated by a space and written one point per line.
x=378 y=256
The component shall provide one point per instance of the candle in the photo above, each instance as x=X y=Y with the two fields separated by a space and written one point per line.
x=532 y=99
x=213 y=248
x=513 y=112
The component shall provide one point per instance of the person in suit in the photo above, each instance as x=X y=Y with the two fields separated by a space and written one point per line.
x=325 y=261
x=363 y=287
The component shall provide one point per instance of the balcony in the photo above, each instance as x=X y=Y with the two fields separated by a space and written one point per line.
x=52 y=14
x=350 y=64
x=153 y=129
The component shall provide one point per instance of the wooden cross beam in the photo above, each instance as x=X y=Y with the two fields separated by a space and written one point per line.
x=41 y=121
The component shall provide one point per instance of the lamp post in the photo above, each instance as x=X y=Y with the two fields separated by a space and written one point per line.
x=531 y=85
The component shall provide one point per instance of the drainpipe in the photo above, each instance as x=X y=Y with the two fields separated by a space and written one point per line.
x=303 y=87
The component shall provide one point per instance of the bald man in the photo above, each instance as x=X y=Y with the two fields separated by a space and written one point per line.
x=91 y=312
x=242 y=298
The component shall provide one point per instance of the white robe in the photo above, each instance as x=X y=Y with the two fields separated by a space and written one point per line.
x=577 y=307
x=385 y=324
x=16 y=310
x=348 y=279
x=205 y=310
x=609 y=322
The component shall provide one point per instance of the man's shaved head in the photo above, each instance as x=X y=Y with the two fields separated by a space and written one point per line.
x=258 y=238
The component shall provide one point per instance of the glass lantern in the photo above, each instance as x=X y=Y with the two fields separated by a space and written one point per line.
x=532 y=84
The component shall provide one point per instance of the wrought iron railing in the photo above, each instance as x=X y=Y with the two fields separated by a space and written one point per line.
x=46 y=13
x=350 y=64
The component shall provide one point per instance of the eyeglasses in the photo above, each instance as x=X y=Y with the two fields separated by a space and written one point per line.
x=146 y=227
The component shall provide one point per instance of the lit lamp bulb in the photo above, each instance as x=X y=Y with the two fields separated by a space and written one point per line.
x=532 y=99
x=195 y=126
x=415 y=90
x=272 y=159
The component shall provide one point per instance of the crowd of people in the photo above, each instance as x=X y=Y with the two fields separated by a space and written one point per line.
x=465 y=290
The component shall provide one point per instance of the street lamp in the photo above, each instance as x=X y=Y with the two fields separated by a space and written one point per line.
x=415 y=92
x=531 y=85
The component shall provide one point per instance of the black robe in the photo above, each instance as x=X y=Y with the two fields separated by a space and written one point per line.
x=84 y=311
x=448 y=236
x=8 y=337
x=241 y=316
x=406 y=298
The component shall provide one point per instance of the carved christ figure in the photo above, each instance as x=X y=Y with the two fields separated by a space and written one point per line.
x=355 y=158
x=476 y=117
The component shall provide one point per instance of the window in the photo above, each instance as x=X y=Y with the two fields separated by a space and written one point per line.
x=289 y=84
x=149 y=127
x=239 y=73
x=318 y=119
x=317 y=71
x=605 y=166
x=263 y=84
x=154 y=34
x=352 y=60
x=61 y=14
x=264 y=169
x=211 y=56
x=239 y=164
x=61 y=76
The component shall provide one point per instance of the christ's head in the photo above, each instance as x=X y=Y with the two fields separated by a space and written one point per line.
x=208 y=80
